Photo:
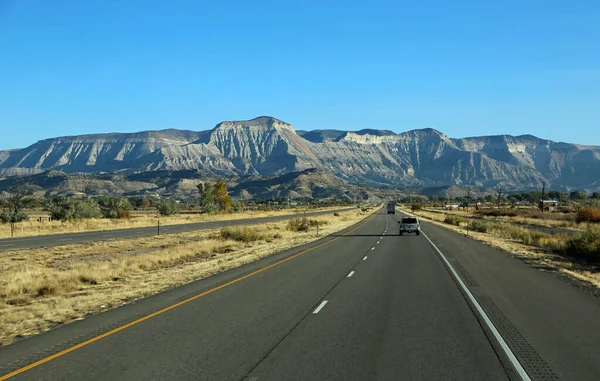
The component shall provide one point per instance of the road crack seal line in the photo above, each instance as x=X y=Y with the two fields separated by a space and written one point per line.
x=536 y=367
x=485 y=319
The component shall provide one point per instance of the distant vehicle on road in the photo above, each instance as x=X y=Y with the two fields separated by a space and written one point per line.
x=391 y=207
x=410 y=225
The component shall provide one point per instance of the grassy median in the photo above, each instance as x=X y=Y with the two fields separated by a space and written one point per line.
x=41 y=288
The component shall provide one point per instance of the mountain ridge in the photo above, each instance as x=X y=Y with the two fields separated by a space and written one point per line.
x=267 y=146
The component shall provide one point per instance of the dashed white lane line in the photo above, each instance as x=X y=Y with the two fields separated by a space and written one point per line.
x=365 y=258
x=372 y=248
x=377 y=243
x=350 y=274
x=320 y=307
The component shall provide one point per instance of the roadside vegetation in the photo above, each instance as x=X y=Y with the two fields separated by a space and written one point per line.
x=22 y=215
x=40 y=288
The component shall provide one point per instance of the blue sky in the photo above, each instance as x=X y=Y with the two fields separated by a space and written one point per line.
x=468 y=68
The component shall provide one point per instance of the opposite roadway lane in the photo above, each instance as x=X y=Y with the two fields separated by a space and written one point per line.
x=365 y=304
x=105 y=235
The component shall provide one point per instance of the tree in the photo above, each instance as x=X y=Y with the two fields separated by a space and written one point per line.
x=207 y=197
x=596 y=196
x=115 y=207
x=577 y=196
x=66 y=209
x=168 y=207
x=557 y=195
x=12 y=208
x=222 y=199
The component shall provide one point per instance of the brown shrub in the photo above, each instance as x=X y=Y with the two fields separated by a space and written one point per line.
x=588 y=215
x=498 y=213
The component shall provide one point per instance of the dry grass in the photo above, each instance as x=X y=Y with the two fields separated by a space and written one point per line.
x=33 y=227
x=588 y=215
x=527 y=244
x=531 y=217
x=41 y=288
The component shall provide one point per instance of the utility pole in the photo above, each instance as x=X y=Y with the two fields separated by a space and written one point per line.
x=499 y=195
x=468 y=198
x=543 y=195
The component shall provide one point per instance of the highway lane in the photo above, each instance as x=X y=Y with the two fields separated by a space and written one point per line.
x=104 y=235
x=398 y=317
x=398 y=314
x=551 y=323
x=365 y=305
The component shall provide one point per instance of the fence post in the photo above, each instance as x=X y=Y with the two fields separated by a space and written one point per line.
x=317 y=228
x=158 y=227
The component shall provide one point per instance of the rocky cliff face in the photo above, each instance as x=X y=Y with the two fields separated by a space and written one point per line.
x=266 y=146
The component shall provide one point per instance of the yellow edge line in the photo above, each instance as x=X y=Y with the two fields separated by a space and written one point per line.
x=83 y=344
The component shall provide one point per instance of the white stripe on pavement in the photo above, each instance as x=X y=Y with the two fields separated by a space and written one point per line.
x=323 y=303
x=350 y=275
x=511 y=356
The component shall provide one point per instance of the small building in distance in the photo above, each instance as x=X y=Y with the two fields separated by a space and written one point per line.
x=548 y=205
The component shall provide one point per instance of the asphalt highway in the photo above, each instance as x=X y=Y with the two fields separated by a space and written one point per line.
x=105 y=235
x=364 y=304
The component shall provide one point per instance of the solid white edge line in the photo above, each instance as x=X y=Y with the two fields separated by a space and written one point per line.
x=511 y=356
x=320 y=307
x=350 y=274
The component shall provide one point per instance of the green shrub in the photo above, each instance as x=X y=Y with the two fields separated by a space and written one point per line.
x=588 y=215
x=453 y=220
x=479 y=226
x=416 y=207
x=241 y=234
x=115 y=207
x=585 y=245
x=168 y=207
x=298 y=224
x=67 y=209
